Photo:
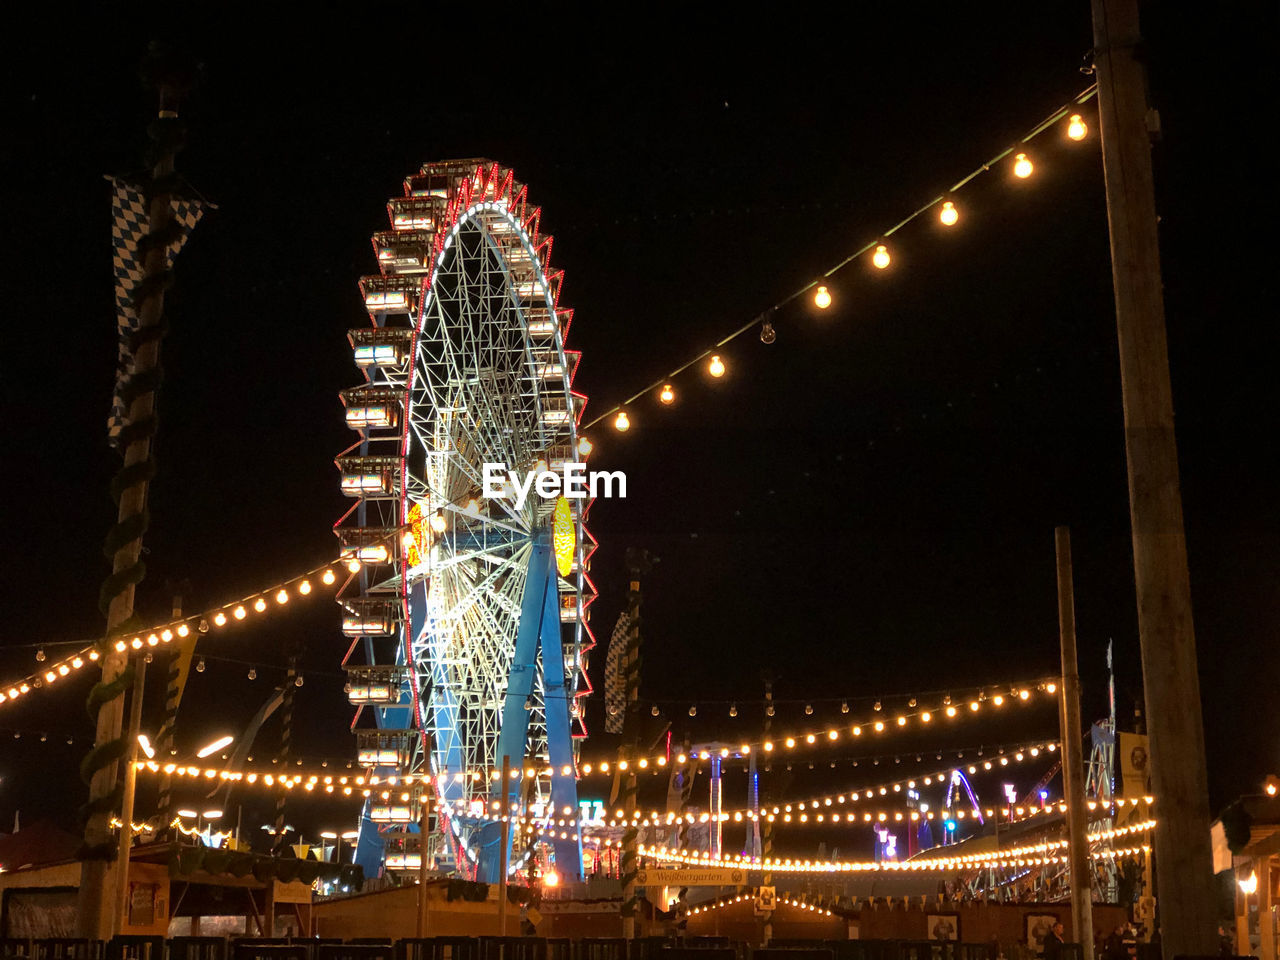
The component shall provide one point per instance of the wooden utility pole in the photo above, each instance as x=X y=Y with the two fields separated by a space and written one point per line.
x=424 y=849
x=506 y=845
x=1187 y=898
x=1072 y=754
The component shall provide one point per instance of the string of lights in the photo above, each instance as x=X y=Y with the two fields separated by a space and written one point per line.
x=781 y=898
x=1039 y=853
x=214 y=618
x=1011 y=816
x=877 y=703
x=945 y=709
x=1021 y=167
x=325 y=777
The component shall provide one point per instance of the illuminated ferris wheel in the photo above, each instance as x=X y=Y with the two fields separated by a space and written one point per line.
x=467 y=614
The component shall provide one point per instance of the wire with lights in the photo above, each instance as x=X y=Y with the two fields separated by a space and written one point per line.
x=1013 y=856
x=213 y=619
x=1021 y=167
x=915 y=716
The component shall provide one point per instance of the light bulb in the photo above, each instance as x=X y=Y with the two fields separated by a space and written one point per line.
x=328 y=578
x=584 y=447
x=259 y=605
x=304 y=587
x=716 y=366
x=949 y=214
x=733 y=710
x=667 y=395
x=693 y=711
x=238 y=613
x=622 y=423
x=438 y=521
x=1022 y=166
x=767 y=333
x=200 y=665
x=253 y=673
x=1076 y=128
x=822 y=298
x=881 y=257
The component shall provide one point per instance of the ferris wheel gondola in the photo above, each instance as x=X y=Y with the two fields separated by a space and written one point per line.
x=469 y=640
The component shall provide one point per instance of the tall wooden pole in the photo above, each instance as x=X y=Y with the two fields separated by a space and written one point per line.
x=424 y=849
x=1174 y=723
x=506 y=845
x=638 y=563
x=1072 y=753
x=94 y=908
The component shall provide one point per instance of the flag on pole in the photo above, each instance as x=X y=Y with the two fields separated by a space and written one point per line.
x=615 y=681
x=130 y=222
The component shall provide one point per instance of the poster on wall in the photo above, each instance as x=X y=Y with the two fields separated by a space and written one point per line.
x=942 y=926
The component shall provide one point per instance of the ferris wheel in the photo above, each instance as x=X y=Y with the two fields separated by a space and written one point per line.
x=467 y=614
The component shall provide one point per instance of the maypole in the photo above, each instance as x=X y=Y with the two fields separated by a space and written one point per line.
x=140 y=290
x=638 y=564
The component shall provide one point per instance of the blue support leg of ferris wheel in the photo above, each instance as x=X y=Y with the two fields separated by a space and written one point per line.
x=564 y=783
x=514 y=733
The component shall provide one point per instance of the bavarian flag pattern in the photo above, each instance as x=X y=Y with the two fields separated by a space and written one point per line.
x=129 y=224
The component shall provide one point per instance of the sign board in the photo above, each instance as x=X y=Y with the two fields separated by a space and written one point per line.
x=692 y=877
x=766 y=900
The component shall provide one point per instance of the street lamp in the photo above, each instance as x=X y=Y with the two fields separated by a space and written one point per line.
x=144 y=743
x=214 y=747
x=338 y=838
x=204 y=833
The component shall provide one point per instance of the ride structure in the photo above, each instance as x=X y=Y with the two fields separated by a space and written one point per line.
x=466 y=613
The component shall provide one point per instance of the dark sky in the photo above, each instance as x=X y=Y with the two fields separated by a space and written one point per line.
x=865 y=507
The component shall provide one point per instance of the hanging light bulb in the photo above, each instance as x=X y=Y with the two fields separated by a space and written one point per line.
x=822 y=298
x=767 y=333
x=733 y=710
x=297 y=681
x=253 y=673
x=948 y=214
x=654 y=711
x=716 y=366
x=844 y=706
x=1022 y=166
x=881 y=257
x=667 y=395
x=768 y=711
x=1076 y=128
x=622 y=423
x=877 y=706
x=200 y=665
x=693 y=711
x=437 y=521
x=808 y=709
x=584 y=447
x=40 y=655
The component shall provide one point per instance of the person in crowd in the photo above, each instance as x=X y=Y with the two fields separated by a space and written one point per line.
x=1053 y=942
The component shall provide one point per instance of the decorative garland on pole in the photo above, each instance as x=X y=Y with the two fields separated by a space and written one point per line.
x=286 y=738
x=140 y=302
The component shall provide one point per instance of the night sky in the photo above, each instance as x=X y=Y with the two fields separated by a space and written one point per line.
x=864 y=508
